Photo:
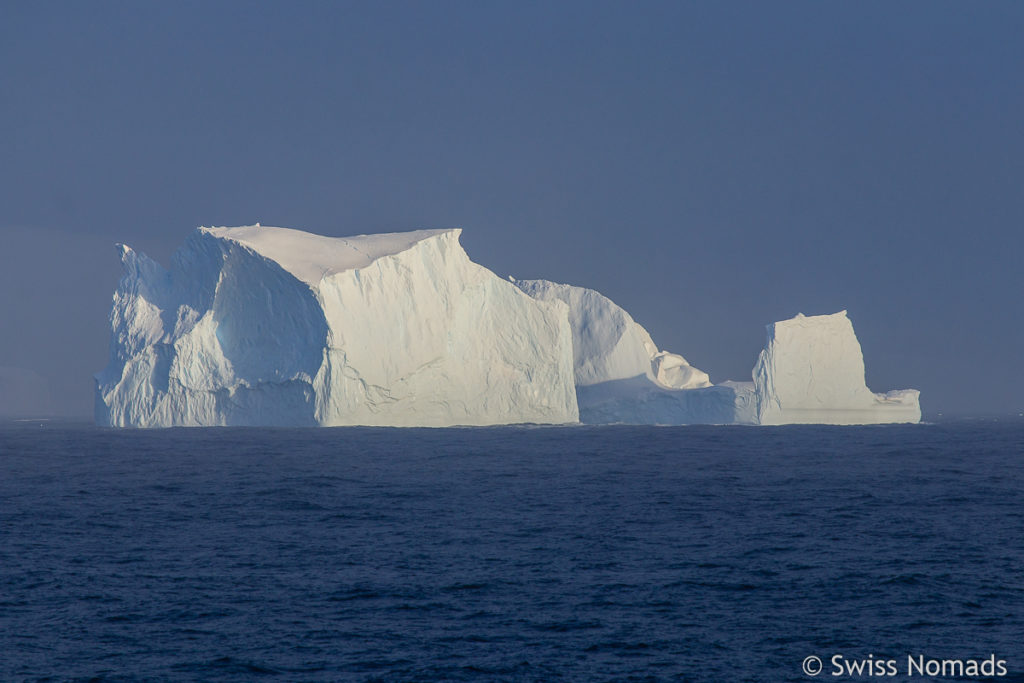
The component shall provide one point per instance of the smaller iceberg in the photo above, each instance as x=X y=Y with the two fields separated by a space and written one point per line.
x=811 y=371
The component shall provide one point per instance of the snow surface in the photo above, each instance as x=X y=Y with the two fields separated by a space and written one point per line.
x=269 y=326
x=812 y=371
x=311 y=258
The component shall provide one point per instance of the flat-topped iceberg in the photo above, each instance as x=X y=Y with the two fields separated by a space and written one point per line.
x=270 y=326
x=812 y=371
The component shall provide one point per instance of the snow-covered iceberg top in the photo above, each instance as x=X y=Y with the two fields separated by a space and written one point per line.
x=312 y=258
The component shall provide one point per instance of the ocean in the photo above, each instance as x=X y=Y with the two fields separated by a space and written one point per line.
x=512 y=554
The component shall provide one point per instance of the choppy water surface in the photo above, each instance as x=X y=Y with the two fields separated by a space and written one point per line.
x=520 y=554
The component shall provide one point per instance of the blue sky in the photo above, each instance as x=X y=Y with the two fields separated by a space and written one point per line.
x=711 y=167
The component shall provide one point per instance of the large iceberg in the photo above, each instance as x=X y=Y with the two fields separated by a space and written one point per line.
x=271 y=326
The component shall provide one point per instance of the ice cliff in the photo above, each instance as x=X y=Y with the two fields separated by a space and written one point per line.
x=271 y=326
x=812 y=371
x=621 y=376
x=608 y=344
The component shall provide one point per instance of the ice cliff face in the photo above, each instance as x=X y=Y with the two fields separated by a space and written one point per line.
x=812 y=371
x=609 y=345
x=622 y=377
x=270 y=326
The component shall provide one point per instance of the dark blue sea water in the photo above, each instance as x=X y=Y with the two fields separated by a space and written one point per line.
x=507 y=554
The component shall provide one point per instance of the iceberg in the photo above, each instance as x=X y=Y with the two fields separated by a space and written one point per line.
x=273 y=326
x=811 y=371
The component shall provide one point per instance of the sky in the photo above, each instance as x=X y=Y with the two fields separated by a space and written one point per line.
x=710 y=166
